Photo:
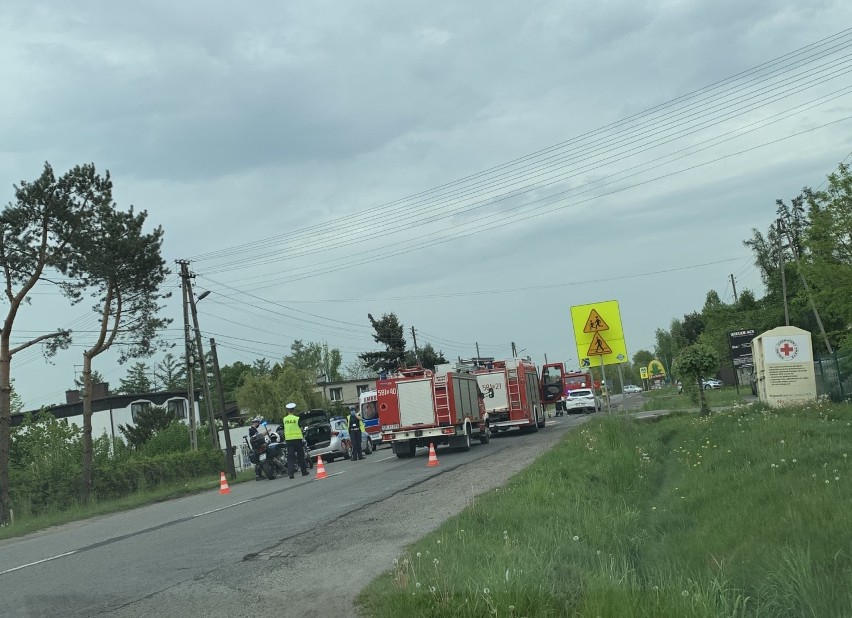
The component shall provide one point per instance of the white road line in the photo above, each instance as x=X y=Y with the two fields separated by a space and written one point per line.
x=24 y=566
x=385 y=459
x=222 y=508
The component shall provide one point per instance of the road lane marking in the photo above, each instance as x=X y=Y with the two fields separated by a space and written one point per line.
x=24 y=566
x=385 y=459
x=222 y=508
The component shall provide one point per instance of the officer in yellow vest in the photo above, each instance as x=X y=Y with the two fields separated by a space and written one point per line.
x=293 y=438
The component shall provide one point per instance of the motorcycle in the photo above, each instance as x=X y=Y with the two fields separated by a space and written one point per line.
x=265 y=452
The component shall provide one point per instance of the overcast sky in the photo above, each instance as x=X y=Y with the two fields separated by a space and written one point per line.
x=475 y=167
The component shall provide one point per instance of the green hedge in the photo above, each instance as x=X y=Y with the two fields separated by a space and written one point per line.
x=139 y=472
x=49 y=486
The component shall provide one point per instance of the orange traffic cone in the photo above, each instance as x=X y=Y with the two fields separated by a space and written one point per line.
x=433 y=459
x=223 y=485
x=321 y=473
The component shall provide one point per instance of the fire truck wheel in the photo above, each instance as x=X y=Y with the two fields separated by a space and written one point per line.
x=485 y=436
x=535 y=425
x=467 y=439
x=369 y=449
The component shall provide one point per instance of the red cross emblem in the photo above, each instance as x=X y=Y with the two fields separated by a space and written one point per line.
x=786 y=349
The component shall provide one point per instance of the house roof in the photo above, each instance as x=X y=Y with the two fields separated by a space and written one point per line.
x=101 y=404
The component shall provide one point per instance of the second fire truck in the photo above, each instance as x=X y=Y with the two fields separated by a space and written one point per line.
x=512 y=394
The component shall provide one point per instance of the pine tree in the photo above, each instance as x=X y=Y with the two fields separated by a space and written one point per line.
x=148 y=422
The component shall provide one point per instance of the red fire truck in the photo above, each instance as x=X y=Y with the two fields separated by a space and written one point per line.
x=418 y=407
x=556 y=383
x=512 y=394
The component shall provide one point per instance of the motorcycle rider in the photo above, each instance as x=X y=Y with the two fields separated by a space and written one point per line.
x=294 y=439
x=253 y=431
x=355 y=434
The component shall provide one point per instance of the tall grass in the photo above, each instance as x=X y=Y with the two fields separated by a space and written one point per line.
x=743 y=513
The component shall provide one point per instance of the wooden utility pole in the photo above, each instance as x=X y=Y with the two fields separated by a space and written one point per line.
x=187 y=342
x=416 y=351
x=229 y=456
x=734 y=285
x=214 y=435
x=807 y=289
x=783 y=276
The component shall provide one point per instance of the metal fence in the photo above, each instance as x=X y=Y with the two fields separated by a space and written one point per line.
x=833 y=377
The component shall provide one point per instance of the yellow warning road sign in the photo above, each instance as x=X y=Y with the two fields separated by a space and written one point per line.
x=598 y=332
x=595 y=322
x=598 y=347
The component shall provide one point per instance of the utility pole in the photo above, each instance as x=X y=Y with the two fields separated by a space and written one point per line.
x=545 y=358
x=783 y=276
x=229 y=457
x=416 y=352
x=190 y=388
x=734 y=285
x=214 y=436
x=807 y=289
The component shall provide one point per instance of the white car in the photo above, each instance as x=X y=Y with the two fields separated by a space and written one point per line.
x=630 y=389
x=712 y=383
x=582 y=400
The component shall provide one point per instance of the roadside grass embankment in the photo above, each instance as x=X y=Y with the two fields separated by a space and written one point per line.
x=669 y=399
x=29 y=522
x=746 y=512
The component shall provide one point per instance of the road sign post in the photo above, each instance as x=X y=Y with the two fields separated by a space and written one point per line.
x=598 y=332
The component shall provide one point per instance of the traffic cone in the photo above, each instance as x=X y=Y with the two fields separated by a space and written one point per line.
x=223 y=485
x=321 y=474
x=433 y=459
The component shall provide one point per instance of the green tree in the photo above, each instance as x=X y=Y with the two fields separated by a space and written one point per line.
x=137 y=380
x=261 y=367
x=149 y=421
x=427 y=357
x=317 y=358
x=693 y=364
x=170 y=373
x=39 y=233
x=122 y=268
x=358 y=370
x=267 y=395
x=97 y=378
x=389 y=332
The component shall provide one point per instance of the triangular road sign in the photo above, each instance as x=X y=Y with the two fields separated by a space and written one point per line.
x=595 y=323
x=598 y=347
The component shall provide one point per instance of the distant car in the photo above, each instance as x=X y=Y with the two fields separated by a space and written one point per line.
x=582 y=400
x=630 y=389
x=329 y=437
x=712 y=383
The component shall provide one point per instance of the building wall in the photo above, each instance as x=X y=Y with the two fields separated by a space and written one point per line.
x=348 y=390
x=107 y=421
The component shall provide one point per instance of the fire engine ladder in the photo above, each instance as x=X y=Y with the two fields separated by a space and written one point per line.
x=514 y=389
x=442 y=404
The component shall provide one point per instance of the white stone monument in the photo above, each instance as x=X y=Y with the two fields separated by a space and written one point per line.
x=784 y=366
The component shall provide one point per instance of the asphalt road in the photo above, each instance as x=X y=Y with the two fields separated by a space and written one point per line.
x=302 y=545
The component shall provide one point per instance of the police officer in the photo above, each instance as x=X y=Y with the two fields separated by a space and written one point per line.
x=355 y=434
x=293 y=438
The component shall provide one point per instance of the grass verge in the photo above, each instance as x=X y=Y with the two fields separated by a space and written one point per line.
x=668 y=398
x=747 y=512
x=33 y=523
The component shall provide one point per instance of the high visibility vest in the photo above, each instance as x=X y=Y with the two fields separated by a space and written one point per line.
x=292 y=431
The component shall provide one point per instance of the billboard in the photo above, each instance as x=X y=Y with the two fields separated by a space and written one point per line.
x=740 y=343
